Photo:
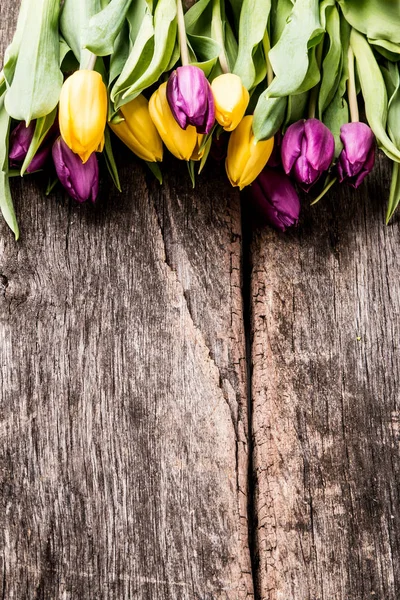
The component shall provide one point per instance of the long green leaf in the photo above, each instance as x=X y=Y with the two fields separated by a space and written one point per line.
x=394 y=194
x=6 y=203
x=374 y=92
x=252 y=28
x=37 y=80
x=105 y=26
x=164 y=43
x=290 y=57
x=74 y=20
x=377 y=19
x=332 y=63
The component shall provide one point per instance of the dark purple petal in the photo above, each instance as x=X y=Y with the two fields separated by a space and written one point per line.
x=20 y=140
x=305 y=174
x=319 y=145
x=81 y=180
x=276 y=198
x=291 y=145
x=40 y=159
x=190 y=98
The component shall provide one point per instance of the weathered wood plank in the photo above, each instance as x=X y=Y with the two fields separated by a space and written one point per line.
x=326 y=366
x=123 y=417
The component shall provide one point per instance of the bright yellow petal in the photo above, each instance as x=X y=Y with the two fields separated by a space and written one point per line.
x=231 y=100
x=180 y=142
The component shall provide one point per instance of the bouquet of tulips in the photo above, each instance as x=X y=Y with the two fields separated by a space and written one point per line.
x=282 y=77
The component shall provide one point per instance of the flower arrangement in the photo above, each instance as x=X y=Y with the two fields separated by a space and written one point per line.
x=282 y=79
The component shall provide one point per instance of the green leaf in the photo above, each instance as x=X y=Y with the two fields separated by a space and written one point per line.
x=190 y=166
x=138 y=61
x=332 y=63
x=279 y=17
x=394 y=194
x=104 y=27
x=204 y=158
x=42 y=127
x=376 y=19
x=155 y=169
x=36 y=84
x=296 y=108
x=252 y=29
x=74 y=20
x=269 y=115
x=374 y=92
x=392 y=80
x=164 y=44
x=110 y=160
x=6 y=203
x=204 y=52
x=290 y=57
x=11 y=53
x=387 y=49
x=337 y=113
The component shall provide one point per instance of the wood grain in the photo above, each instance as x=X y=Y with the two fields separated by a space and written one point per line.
x=123 y=404
x=326 y=366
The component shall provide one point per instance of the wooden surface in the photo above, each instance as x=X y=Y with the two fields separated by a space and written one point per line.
x=185 y=410
x=325 y=426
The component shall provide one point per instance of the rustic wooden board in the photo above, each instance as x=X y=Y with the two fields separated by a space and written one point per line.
x=326 y=366
x=123 y=402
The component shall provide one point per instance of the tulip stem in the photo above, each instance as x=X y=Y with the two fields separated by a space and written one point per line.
x=312 y=105
x=91 y=62
x=182 y=34
x=218 y=34
x=326 y=189
x=351 y=88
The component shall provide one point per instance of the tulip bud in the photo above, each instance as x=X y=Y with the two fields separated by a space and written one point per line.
x=190 y=98
x=138 y=131
x=246 y=158
x=20 y=141
x=182 y=143
x=231 y=100
x=83 y=112
x=307 y=151
x=81 y=180
x=276 y=199
x=357 y=158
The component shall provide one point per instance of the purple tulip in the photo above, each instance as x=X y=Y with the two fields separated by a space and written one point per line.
x=276 y=199
x=307 y=151
x=190 y=98
x=357 y=158
x=20 y=141
x=81 y=180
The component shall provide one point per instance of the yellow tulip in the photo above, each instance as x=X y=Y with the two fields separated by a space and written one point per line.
x=182 y=143
x=83 y=112
x=138 y=131
x=246 y=158
x=231 y=100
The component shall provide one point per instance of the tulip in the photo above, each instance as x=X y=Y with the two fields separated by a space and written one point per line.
x=231 y=100
x=246 y=158
x=182 y=143
x=20 y=141
x=81 y=180
x=138 y=131
x=307 y=151
x=276 y=198
x=357 y=158
x=83 y=112
x=190 y=98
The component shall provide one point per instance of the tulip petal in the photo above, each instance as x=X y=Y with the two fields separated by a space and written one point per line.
x=319 y=144
x=291 y=145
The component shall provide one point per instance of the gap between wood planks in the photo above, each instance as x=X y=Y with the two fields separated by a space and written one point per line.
x=247 y=316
